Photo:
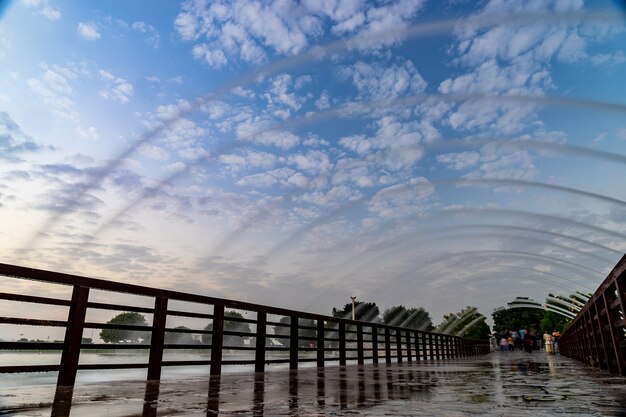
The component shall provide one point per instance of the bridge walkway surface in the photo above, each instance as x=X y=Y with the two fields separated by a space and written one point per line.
x=499 y=384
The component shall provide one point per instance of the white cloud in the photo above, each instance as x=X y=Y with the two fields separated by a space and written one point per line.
x=44 y=8
x=251 y=31
x=402 y=200
x=214 y=57
x=249 y=160
x=243 y=92
x=279 y=138
x=459 y=161
x=90 y=133
x=298 y=180
x=314 y=161
x=608 y=59
x=54 y=90
x=152 y=36
x=397 y=143
x=281 y=99
x=118 y=89
x=267 y=178
x=384 y=81
x=498 y=161
x=323 y=102
x=87 y=31
x=153 y=152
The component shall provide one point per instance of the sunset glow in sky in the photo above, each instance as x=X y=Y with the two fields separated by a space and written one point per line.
x=295 y=153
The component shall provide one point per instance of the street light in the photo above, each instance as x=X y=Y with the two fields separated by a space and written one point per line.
x=353 y=315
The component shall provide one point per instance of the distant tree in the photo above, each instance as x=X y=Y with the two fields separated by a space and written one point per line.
x=230 y=326
x=414 y=318
x=175 y=338
x=517 y=318
x=87 y=340
x=467 y=323
x=362 y=311
x=23 y=340
x=285 y=331
x=118 y=335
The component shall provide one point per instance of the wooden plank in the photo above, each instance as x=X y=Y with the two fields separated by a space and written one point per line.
x=33 y=299
x=32 y=322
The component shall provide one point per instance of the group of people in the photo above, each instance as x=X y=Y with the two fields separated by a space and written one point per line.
x=551 y=342
x=517 y=340
x=525 y=340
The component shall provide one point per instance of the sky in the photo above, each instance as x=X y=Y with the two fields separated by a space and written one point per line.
x=435 y=154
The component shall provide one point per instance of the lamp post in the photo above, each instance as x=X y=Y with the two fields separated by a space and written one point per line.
x=353 y=315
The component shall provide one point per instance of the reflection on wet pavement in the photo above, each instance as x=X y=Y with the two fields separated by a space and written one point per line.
x=511 y=384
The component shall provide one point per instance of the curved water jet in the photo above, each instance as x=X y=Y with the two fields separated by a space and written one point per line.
x=429 y=184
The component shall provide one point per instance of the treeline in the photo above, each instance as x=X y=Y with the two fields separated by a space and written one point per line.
x=468 y=322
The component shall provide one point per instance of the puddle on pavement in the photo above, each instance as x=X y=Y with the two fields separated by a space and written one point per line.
x=500 y=382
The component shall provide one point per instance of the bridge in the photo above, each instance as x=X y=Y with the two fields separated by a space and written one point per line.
x=372 y=365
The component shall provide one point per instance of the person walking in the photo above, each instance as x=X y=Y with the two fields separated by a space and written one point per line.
x=547 y=339
x=504 y=345
x=555 y=340
x=528 y=342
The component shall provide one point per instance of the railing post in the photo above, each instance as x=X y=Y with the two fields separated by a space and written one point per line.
x=611 y=320
x=342 y=343
x=73 y=336
x=374 y=344
x=602 y=337
x=620 y=288
x=409 y=356
x=261 y=335
x=293 y=342
x=398 y=346
x=217 y=339
x=359 y=344
x=430 y=346
x=320 y=343
x=157 y=339
x=387 y=346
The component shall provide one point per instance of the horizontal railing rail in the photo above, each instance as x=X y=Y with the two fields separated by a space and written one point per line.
x=302 y=337
x=597 y=335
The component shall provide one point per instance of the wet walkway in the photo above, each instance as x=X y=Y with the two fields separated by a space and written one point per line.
x=499 y=384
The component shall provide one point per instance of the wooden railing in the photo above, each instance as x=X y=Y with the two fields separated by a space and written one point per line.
x=329 y=338
x=597 y=335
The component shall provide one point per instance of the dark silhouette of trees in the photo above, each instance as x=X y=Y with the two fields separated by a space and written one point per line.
x=120 y=335
x=363 y=312
x=467 y=323
x=414 y=318
x=517 y=318
x=230 y=326
x=175 y=338
x=285 y=331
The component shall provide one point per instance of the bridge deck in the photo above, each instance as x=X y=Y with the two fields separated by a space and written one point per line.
x=499 y=384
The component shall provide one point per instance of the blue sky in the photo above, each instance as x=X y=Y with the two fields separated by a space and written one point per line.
x=435 y=154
